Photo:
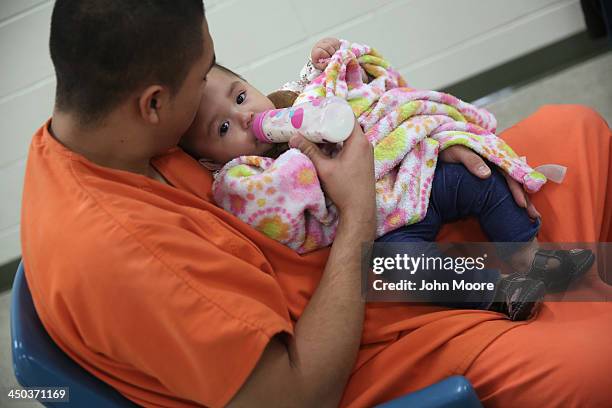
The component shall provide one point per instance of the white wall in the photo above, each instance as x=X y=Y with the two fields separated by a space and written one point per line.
x=433 y=43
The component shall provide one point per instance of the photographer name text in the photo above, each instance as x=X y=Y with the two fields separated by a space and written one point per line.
x=408 y=285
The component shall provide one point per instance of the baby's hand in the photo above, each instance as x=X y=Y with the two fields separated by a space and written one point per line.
x=322 y=52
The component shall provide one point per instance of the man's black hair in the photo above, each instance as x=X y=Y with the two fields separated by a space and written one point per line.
x=103 y=50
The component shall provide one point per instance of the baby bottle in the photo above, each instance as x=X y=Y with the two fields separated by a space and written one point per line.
x=319 y=120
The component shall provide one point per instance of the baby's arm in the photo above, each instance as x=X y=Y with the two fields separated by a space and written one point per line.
x=320 y=56
x=323 y=51
x=307 y=74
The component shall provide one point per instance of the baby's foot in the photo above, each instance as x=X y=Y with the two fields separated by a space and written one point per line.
x=558 y=268
x=518 y=297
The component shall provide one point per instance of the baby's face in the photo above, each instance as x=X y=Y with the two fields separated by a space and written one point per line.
x=222 y=127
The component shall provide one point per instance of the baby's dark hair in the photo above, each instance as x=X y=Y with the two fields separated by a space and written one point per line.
x=184 y=142
x=229 y=71
x=279 y=99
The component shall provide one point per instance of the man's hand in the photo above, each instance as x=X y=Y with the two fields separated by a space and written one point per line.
x=476 y=165
x=322 y=52
x=348 y=178
x=311 y=368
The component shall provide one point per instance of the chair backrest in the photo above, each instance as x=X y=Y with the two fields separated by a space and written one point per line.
x=39 y=362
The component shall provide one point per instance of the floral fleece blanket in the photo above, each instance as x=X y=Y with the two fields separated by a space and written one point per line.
x=282 y=197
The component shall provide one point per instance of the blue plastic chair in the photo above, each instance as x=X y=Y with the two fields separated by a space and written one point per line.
x=38 y=362
x=453 y=392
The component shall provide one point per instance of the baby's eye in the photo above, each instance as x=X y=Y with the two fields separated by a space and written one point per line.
x=240 y=98
x=224 y=128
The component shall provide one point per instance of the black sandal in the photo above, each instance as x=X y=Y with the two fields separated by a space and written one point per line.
x=573 y=264
x=518 y=297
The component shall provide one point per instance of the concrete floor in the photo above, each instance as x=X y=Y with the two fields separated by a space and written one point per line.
x=7 y=379
x=588 y=83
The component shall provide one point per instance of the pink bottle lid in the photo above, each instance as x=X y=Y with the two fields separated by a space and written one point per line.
x=257 y=127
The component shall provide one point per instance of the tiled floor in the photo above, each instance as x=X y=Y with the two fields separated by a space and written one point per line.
x=587 y=83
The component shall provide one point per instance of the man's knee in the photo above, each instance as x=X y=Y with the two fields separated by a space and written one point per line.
x=574 y=113
x=524 y=368
x=584 y=378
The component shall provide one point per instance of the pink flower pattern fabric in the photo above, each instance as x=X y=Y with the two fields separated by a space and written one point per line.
x=282 y=197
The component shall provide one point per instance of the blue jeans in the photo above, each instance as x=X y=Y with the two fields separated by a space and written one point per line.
x=456 y=194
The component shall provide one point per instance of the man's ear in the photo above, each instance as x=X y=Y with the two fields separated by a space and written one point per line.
x=150 y=102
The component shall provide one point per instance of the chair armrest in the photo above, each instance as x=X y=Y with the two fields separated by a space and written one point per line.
x=453 y=392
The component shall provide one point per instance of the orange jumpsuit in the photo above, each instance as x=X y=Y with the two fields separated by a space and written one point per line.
x=171 y=300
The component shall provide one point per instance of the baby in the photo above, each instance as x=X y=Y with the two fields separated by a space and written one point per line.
x=222 y=133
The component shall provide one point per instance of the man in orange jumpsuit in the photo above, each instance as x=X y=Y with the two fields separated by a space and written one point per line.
x=143 y=281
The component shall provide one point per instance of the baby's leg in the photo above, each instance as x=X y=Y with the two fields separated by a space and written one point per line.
x=420 y=236
x=521 y=259
x=458 y=193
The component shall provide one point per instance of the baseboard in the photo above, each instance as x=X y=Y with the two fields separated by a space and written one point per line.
x=530 y=67
x=7 y=274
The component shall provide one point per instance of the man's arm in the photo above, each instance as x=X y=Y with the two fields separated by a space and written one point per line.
x=477 y=166
x=312 y=368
